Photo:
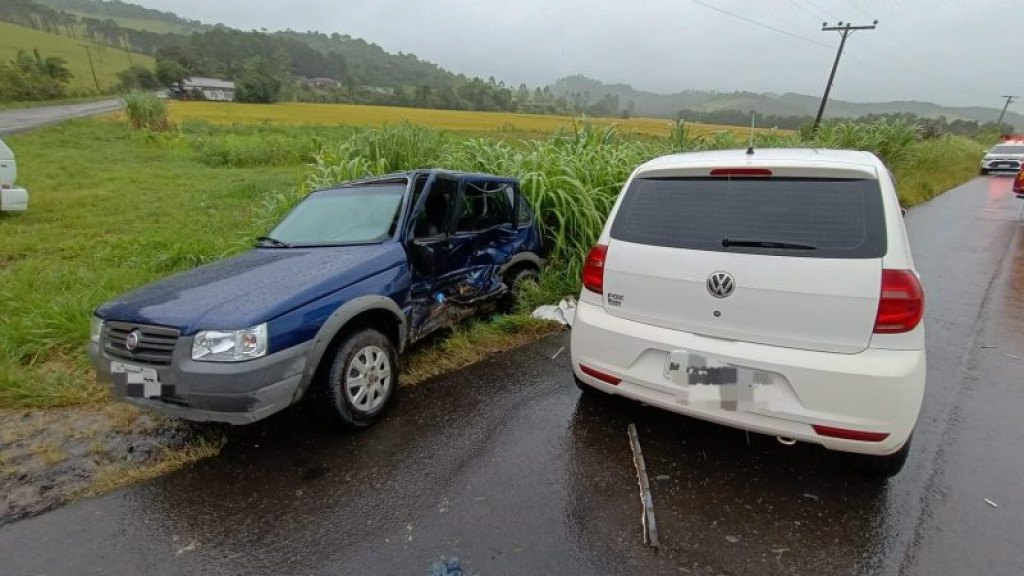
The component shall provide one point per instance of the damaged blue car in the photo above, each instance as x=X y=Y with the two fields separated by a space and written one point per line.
x=325 y=303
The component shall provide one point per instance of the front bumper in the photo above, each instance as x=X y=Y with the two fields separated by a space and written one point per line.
x=231 y=392
x=1005 y=165
x=873 y=391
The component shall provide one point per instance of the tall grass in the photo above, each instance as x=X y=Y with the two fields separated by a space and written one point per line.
x=572 y=177
x=146 y=112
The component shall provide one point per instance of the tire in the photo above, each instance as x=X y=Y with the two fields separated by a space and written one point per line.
x=370 y=354
x=514 y=280
x=882 y=467
x=983 y=172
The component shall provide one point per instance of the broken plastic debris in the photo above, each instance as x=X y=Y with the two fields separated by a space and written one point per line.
x=563 y=312
x=991 y=503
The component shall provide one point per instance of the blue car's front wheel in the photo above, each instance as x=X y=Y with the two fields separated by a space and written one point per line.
x=362 y=379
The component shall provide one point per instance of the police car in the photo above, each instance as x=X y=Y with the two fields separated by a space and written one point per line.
x=1007 y=156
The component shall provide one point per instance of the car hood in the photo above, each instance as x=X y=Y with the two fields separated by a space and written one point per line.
x=251 y=288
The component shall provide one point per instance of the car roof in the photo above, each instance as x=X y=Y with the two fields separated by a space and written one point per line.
x=777 y=157
x=439 y=172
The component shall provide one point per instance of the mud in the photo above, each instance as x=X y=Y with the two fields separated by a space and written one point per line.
x=48 y=457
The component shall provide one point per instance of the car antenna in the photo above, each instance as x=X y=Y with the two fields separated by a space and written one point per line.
x=750 y=150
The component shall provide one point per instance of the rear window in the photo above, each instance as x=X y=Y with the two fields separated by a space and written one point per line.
x=838 y=218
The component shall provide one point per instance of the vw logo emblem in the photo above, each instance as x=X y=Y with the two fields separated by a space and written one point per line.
x=132 y=341
x=721 y=284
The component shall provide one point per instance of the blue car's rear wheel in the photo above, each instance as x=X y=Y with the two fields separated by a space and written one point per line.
x=362 y=379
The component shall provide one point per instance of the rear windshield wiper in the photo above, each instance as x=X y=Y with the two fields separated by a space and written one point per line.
x=751 y=243
x=273 y=241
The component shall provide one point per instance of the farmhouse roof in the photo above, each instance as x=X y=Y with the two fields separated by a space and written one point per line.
x=201 y=82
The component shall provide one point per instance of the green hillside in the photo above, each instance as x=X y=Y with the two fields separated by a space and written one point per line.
x=108 y=61
x=129 y=15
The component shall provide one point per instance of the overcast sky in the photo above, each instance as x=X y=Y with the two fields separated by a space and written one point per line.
x=960 y=52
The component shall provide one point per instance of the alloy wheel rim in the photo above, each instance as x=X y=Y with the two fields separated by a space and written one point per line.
x=368 y=378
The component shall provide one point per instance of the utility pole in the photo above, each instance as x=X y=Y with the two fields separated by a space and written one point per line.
x=91 y=67
x=844 y=30
x=1009 y=100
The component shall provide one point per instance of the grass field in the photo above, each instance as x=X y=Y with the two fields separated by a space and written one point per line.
x=295 y=113
x=96 y=228
x=108 y=61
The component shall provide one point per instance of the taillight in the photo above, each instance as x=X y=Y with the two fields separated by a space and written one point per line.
x=901 y=305
x=846 y=434
x=600 y=375
x=593 y=270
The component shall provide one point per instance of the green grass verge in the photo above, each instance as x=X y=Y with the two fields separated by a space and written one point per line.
x=108 y=212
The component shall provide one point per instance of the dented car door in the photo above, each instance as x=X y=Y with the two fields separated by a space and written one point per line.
x=482 y=240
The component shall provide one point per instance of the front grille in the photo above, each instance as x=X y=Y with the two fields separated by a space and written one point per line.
x=1005 y=164
x=156 y=343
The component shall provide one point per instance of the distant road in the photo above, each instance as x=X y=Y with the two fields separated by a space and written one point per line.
x=22 y=120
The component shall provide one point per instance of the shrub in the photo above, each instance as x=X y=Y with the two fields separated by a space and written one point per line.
x=137 y=77
x=146 y=112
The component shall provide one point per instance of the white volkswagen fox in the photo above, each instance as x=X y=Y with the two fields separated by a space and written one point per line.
x=772 y=291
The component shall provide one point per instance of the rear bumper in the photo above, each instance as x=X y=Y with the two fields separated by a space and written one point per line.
x=873 y=391
x=231 y=392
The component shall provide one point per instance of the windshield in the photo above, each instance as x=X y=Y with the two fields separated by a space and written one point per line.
x=1007 y=150
x=359 y=214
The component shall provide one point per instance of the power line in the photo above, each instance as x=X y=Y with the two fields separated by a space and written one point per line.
x=859 y=9
x=845 y=30
x=761 y=24
x=806 y=10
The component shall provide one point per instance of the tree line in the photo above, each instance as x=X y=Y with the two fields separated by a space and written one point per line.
x=928 y=127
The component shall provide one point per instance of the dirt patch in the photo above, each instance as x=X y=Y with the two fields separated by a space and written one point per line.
x=48 y=457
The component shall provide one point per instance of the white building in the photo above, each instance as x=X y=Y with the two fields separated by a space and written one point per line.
x=210 y=88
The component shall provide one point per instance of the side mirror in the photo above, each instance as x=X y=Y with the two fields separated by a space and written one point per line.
x=903 y=211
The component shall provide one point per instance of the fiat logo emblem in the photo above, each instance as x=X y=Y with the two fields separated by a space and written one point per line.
x=132 y=341
x=721 y=284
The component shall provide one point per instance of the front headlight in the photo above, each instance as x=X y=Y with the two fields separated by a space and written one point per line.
x=230 y=345
x=95 y=329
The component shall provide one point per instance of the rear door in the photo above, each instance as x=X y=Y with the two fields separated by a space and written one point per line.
x=792 y=262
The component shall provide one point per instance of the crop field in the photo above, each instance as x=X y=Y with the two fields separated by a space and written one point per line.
x=108 y=61
x=294 y=113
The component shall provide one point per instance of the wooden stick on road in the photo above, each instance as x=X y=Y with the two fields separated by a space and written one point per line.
x=647 y=518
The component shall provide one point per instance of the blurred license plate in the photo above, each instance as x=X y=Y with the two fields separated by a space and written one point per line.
x=140 y=382
x=694 y=369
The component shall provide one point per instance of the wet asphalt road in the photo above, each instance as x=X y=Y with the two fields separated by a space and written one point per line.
x=22 y=120
x=505 y=466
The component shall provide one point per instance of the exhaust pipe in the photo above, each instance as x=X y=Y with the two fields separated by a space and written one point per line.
x=785 y=441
